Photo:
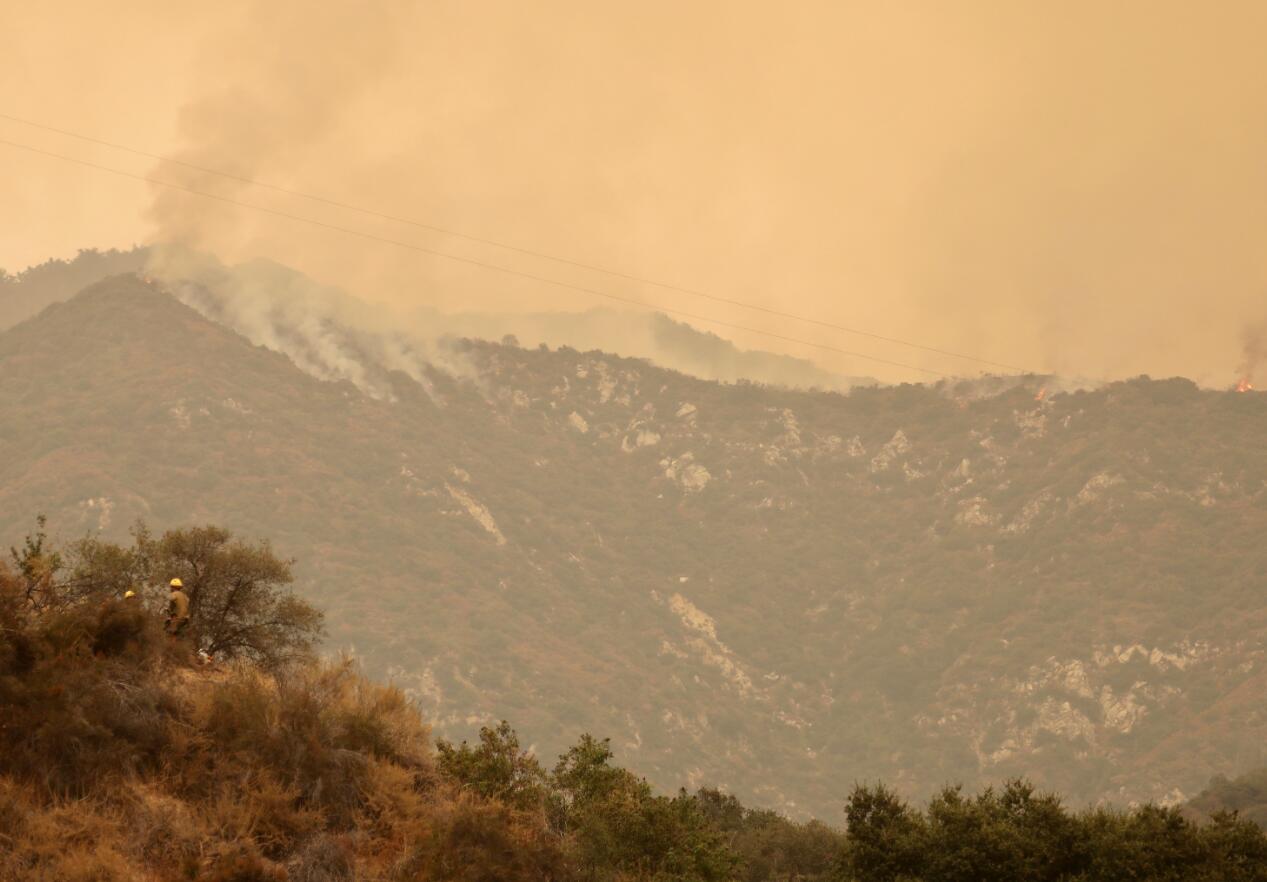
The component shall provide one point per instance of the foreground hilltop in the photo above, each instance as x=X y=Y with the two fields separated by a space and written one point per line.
x=783 y=591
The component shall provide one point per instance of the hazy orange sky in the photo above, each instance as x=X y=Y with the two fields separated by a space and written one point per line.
x=1076 y=186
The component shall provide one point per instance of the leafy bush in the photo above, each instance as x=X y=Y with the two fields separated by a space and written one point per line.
x=497 y=769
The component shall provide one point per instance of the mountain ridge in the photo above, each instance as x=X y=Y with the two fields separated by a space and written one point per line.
x=667 y=342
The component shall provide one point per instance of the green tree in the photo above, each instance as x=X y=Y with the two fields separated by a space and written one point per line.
x=99 y=570
x=769 y=845
x=1000 y=836
x=1151 y=842
x=886 y=838
x=239 y=595
x=497 y=768
x=618 y=826
x=38 y=570
x=1236 y=848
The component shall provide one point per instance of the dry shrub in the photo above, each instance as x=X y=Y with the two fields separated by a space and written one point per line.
x=242 y=863
x=92 y=729
x=323 y=858
x=82 y=706
x=263 y=811
x=18 y=651
x=125 y=628
x=13 y=812
x=280 y=822
x=162 y=831
x=96 y=864
x=317 y=730
x=472 y=840
x=393 y=801
x=75 y=841
x=237 y=711
x=378 y=720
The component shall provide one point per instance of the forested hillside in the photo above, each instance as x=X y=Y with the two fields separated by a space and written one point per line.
x=780 y=591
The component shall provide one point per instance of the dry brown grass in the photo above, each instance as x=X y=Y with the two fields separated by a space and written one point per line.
x=119 y=760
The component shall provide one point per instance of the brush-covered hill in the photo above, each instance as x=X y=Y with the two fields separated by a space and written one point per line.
x=125 y=757
x=781 y=591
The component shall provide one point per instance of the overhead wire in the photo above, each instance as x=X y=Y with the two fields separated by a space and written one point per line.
x=590 y=267
x=472 y=261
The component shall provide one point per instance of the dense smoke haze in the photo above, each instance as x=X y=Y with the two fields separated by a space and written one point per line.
x=663 y=441
x=1075 y=188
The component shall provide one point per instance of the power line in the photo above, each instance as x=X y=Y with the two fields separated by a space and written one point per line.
x=369 y=212
x=468 y=260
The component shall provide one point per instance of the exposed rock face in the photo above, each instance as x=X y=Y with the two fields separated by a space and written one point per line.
x=686 y=473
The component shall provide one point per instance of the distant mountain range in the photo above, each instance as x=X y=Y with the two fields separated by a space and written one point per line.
x=784 y=591
x=652 y=335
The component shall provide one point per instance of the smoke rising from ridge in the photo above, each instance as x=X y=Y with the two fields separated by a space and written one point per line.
x=325 y=332
x=1073 y=187
x=1255 y=351
x=334 y=336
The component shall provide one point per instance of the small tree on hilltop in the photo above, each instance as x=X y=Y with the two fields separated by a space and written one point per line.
x=497 y=769
x=38 y=569
x=239 y=600
x=617 y=823
x=97 y=570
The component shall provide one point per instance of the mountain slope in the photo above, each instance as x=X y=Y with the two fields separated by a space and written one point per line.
x=783 y=591
x=668 y=343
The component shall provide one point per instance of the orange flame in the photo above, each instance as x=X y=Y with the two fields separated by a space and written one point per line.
x=1244 y=385
x=1042 y=393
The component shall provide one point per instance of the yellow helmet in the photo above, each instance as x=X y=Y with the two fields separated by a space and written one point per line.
x=176 y=583
x=127 y=595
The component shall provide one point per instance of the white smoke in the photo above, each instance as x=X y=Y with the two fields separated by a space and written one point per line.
x=1254 y=351
x=322 y=330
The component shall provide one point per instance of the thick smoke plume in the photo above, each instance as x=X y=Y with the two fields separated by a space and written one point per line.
x=1074 y=188
x=270 y=90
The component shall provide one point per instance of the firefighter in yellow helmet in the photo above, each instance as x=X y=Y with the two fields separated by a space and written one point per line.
x=177 y=608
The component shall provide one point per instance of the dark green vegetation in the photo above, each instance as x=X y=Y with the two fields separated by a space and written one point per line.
x=122 y=758
x=1246 y=795
x=1014 y=834
x=782 y=591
